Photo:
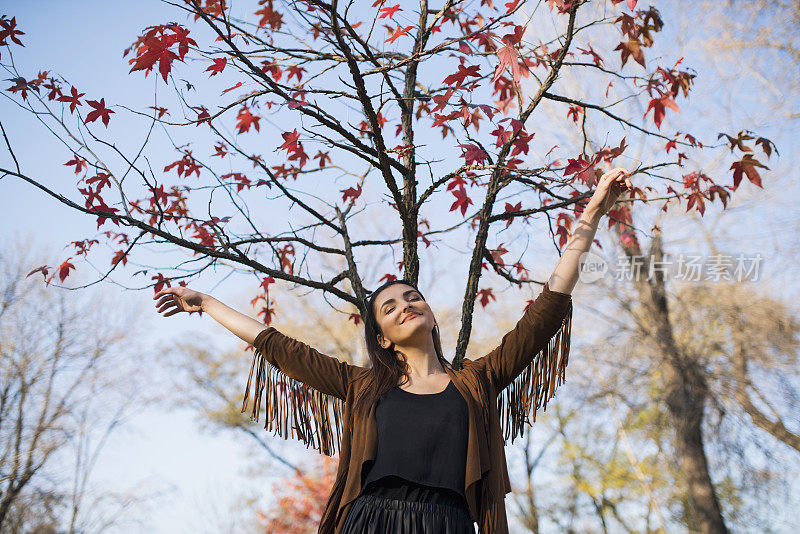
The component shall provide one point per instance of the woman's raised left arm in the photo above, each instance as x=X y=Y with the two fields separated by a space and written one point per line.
x=535 y=333
x=610 y=186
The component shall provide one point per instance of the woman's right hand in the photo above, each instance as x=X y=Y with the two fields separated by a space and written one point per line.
x=176 y=299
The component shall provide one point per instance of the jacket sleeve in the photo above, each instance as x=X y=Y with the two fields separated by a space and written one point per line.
x=303 y=363
x=528 y=341
x=302 y=389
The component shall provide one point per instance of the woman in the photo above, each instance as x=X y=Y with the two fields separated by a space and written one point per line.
x=421 y=449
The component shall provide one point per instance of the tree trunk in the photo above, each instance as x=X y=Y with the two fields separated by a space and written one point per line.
x=686 y=392
x=686 y=405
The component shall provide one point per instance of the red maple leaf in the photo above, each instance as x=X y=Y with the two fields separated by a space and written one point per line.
x=161 y=111
x=290 y=140
x=10 y=31
x=64 y=269
x=269 y=17
x=272 y=69
x=350 y=192
x=265 y=282
x=511 y=6
x=509 y=208
x=399 y=32
x=576 y=165
x=473 y=153
x=218 y=65
x=99 y=111
x=73 y=100
x=245 y=119
x=766 y=146
x=631 y=48
x=102 y=180
x=221 y=150
x=747 y=165
x=441 y=101
x=562 y=5
x=324 y=158
x=80 y=164
x=186 y=165
x=574 y=111
x=389 y=11
x=298 y=155
x=240 y=179
x=294 y=70
x=156 y=51
x=509 y=56
x=485 y=294
x=154 y=47
x=22 y=86
x=160 y=282
x=120 y=255
x=659 y=105
x=55 y=90
x=696 y=198
x=462 y=200
x=202 y=114
x=91 y=196
x=503 y=135
x=595 y=56
x=458 y=77
x=497 y=255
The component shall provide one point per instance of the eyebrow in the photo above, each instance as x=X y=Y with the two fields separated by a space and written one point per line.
x=392 y=300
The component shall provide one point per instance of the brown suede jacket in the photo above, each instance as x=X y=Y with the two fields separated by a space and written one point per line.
x=502 y=389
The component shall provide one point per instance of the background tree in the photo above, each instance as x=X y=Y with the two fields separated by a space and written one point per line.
x=301 y=499
x=65 y=391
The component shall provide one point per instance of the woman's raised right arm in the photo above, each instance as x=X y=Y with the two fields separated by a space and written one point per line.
x=295 y=359
x=172 y=300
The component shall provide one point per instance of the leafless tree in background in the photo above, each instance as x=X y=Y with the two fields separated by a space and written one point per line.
x=66 y=387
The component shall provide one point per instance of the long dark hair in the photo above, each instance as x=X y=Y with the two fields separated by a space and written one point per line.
x=388 y=367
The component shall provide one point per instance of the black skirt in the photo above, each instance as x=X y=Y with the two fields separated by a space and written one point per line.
x=392 y=505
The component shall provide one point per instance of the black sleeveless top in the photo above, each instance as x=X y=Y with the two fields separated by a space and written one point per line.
x=422 y=447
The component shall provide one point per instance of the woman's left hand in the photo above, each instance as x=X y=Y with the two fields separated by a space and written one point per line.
x=608 y=190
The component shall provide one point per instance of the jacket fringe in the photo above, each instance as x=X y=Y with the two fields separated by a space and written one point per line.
x=536 y=384
x=310 y=409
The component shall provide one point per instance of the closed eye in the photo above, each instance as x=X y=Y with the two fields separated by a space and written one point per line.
x=415 y=297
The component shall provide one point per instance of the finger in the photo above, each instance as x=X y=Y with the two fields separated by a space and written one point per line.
x=166 y=298
x=171 y=310
x=614 y=173
x=166 y=305
x=162 y=292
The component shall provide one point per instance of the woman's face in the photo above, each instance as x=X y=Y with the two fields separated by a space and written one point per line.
x=403 y=316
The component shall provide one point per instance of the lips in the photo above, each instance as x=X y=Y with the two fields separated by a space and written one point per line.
x=409 y=316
